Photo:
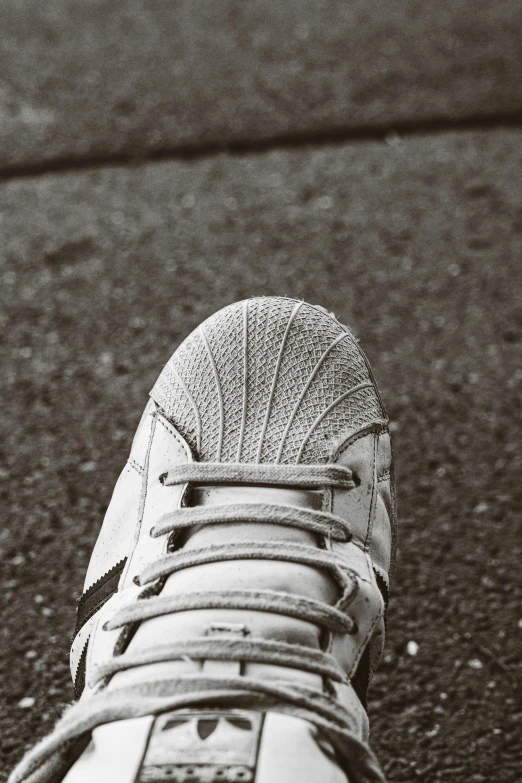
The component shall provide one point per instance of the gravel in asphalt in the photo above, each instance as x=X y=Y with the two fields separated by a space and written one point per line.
x=416 y=244
x=82 y=80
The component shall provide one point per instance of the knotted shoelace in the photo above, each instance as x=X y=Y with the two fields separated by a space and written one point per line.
x=258 y=650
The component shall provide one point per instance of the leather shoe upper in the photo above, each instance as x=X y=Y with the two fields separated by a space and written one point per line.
x=268 y=381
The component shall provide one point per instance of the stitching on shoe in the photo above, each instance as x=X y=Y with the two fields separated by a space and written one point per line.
x=171 y=430
x=135 y=465
x=143 y=496
x=376 y=428
x=372 y=509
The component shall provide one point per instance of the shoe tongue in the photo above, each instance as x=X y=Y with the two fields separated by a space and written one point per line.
x=214 y=496
x=219 y=495
x=268 y=380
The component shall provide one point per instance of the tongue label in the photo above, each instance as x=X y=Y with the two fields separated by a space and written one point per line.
x=202 y=746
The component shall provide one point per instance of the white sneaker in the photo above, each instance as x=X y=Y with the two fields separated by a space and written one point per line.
x=234 y=603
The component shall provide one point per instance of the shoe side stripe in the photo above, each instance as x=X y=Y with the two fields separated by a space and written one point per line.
x=383 y=587
x=361 y=679
x=79 y=680
x=97 y=594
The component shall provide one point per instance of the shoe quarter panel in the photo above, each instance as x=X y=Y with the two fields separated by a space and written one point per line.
x=357 y=505
x=102 y=642
x=364 y=605
x=383 y=543
x=138 y=500
x=111 y=550
x=369 y=507
x=167 y=449
x=122 y=515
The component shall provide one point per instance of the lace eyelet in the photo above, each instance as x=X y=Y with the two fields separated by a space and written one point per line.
x=162 y=478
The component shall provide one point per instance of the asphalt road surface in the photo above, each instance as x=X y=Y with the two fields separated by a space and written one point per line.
x=95 y=79
x=411 y=234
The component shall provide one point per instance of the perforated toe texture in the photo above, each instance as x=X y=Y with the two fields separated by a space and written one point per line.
x=268 y=380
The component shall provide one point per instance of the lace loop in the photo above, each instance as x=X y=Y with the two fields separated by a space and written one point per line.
x=258 y=550
x=320 y=522
x=286 y=604
x=256 y=650
x=246 y=473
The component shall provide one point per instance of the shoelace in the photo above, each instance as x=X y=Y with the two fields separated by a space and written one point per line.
x=317 y=706
x=257 y=650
